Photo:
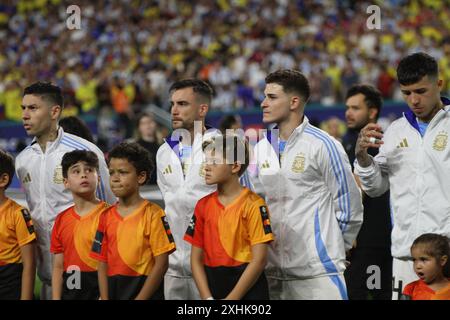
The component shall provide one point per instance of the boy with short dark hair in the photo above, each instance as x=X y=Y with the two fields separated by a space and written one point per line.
x=17 y=241
x=74 y=230
x=230 y=229
x=133 y=239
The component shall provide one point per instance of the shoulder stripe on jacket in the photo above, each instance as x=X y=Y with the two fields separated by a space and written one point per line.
x=75 y=142
x=338 y=169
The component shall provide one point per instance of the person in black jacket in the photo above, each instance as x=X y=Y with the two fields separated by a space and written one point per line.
x=369 y=275
x=149 y=137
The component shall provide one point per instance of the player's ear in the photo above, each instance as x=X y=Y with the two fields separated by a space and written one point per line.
x=203 y=110
x=66 y=182
x=4 y=180
x=55 y=111
x=444 y=260
x=142 y=177
x=236 y=167
x=373 y=114
x=296 y=102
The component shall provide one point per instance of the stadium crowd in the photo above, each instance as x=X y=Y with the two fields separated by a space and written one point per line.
x=126 y=53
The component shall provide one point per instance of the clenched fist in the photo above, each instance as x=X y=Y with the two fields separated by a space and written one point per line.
x=369 y=137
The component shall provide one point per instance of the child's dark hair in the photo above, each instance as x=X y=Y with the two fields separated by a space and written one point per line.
x=71 y=158
x=437 y=246
x=6 y=166
x=232 y=148
x=138 y=156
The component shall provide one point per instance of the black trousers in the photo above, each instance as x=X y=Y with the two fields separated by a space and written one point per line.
x=221 y=280
x=363 y=280
x=128 y=287
x=88 y=289
x=11 y=281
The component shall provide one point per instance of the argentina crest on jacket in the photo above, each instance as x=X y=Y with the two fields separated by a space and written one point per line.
x=298 y=166
x=440 y=142
x=58 y=175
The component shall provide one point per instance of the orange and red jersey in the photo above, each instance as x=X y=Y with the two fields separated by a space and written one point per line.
x=16 y=230
x=73 y=235
x=227 y=233
x=129 y=244
x=419 y=290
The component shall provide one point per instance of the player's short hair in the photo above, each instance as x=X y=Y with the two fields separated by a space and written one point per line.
x=135 y=154
x=46 y=91
x=232 y=147
x=437 y=246
x=292 y=81
x=75 y=156
x=6 y=166
x=201 y=88
x=414 y=67
x=372 y=96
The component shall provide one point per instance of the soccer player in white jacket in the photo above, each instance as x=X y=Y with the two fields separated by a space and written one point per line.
x=39 y=169
x=181 y=177
x=413 y=162
x=315 y=204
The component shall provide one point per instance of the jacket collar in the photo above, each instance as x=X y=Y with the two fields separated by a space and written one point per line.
x=272 y=135
x=50 y=145
x=412 y=119
x=175 y=143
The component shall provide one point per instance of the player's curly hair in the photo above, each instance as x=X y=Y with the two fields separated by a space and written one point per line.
x=135 y=154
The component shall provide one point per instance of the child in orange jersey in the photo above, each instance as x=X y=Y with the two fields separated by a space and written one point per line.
x=430 y=254
x=74 y=275
x=17 y=241
x=230 y=229
x=133 y=239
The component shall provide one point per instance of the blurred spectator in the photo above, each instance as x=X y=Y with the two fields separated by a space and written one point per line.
x=86 y=93
x=149 y=136
x=121 y=97
x=334 y=127
x=349 y=77
x=245 y=95
x=385 y=83
x=230 y=121
x=232 y=44
x=11 y=98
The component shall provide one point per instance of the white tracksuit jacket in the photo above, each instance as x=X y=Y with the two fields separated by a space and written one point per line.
x=416 y=169
x=315 y=205
x=181 y=195
x=41 y=177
